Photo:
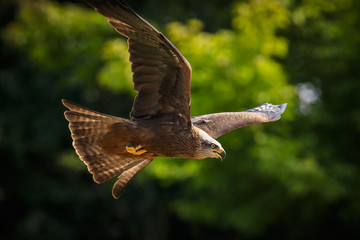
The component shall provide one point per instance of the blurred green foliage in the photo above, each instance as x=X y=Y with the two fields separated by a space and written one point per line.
x=292 y=179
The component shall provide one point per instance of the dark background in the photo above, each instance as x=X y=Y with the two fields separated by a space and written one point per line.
x=294 y=179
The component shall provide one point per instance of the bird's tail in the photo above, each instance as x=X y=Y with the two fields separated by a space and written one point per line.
x=87 y=130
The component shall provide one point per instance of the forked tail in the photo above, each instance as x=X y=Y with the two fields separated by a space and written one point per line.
x=87 y=129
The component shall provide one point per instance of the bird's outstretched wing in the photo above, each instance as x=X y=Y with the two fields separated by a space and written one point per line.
x=161 y=74
x=218 y=124
x=88 y=129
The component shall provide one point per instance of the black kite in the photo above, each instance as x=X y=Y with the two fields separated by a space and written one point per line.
x=160 y=123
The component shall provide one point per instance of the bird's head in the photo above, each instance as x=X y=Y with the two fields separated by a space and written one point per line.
x=209 y=147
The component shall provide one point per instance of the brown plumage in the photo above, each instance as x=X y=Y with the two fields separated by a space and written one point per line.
x=160 y=123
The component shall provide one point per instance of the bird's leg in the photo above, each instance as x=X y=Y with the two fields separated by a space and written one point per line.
x=135 y=150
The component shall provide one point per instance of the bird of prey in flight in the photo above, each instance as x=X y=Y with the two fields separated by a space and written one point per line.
x=160 y=123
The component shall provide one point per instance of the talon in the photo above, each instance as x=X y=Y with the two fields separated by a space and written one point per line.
x=135 y=150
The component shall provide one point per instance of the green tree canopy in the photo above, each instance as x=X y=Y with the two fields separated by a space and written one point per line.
x=292 y=179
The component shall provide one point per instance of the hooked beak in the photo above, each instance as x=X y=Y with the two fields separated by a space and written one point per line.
x=221 y=154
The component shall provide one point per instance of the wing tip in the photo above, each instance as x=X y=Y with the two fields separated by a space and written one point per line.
x=68 y=104
x=272 y=111
x=282 y=107
x=276 y=111
x=118 y=189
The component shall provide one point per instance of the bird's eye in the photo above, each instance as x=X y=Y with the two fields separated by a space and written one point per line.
x=213 y=146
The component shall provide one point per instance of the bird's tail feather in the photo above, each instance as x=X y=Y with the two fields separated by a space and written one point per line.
x=87 y=129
